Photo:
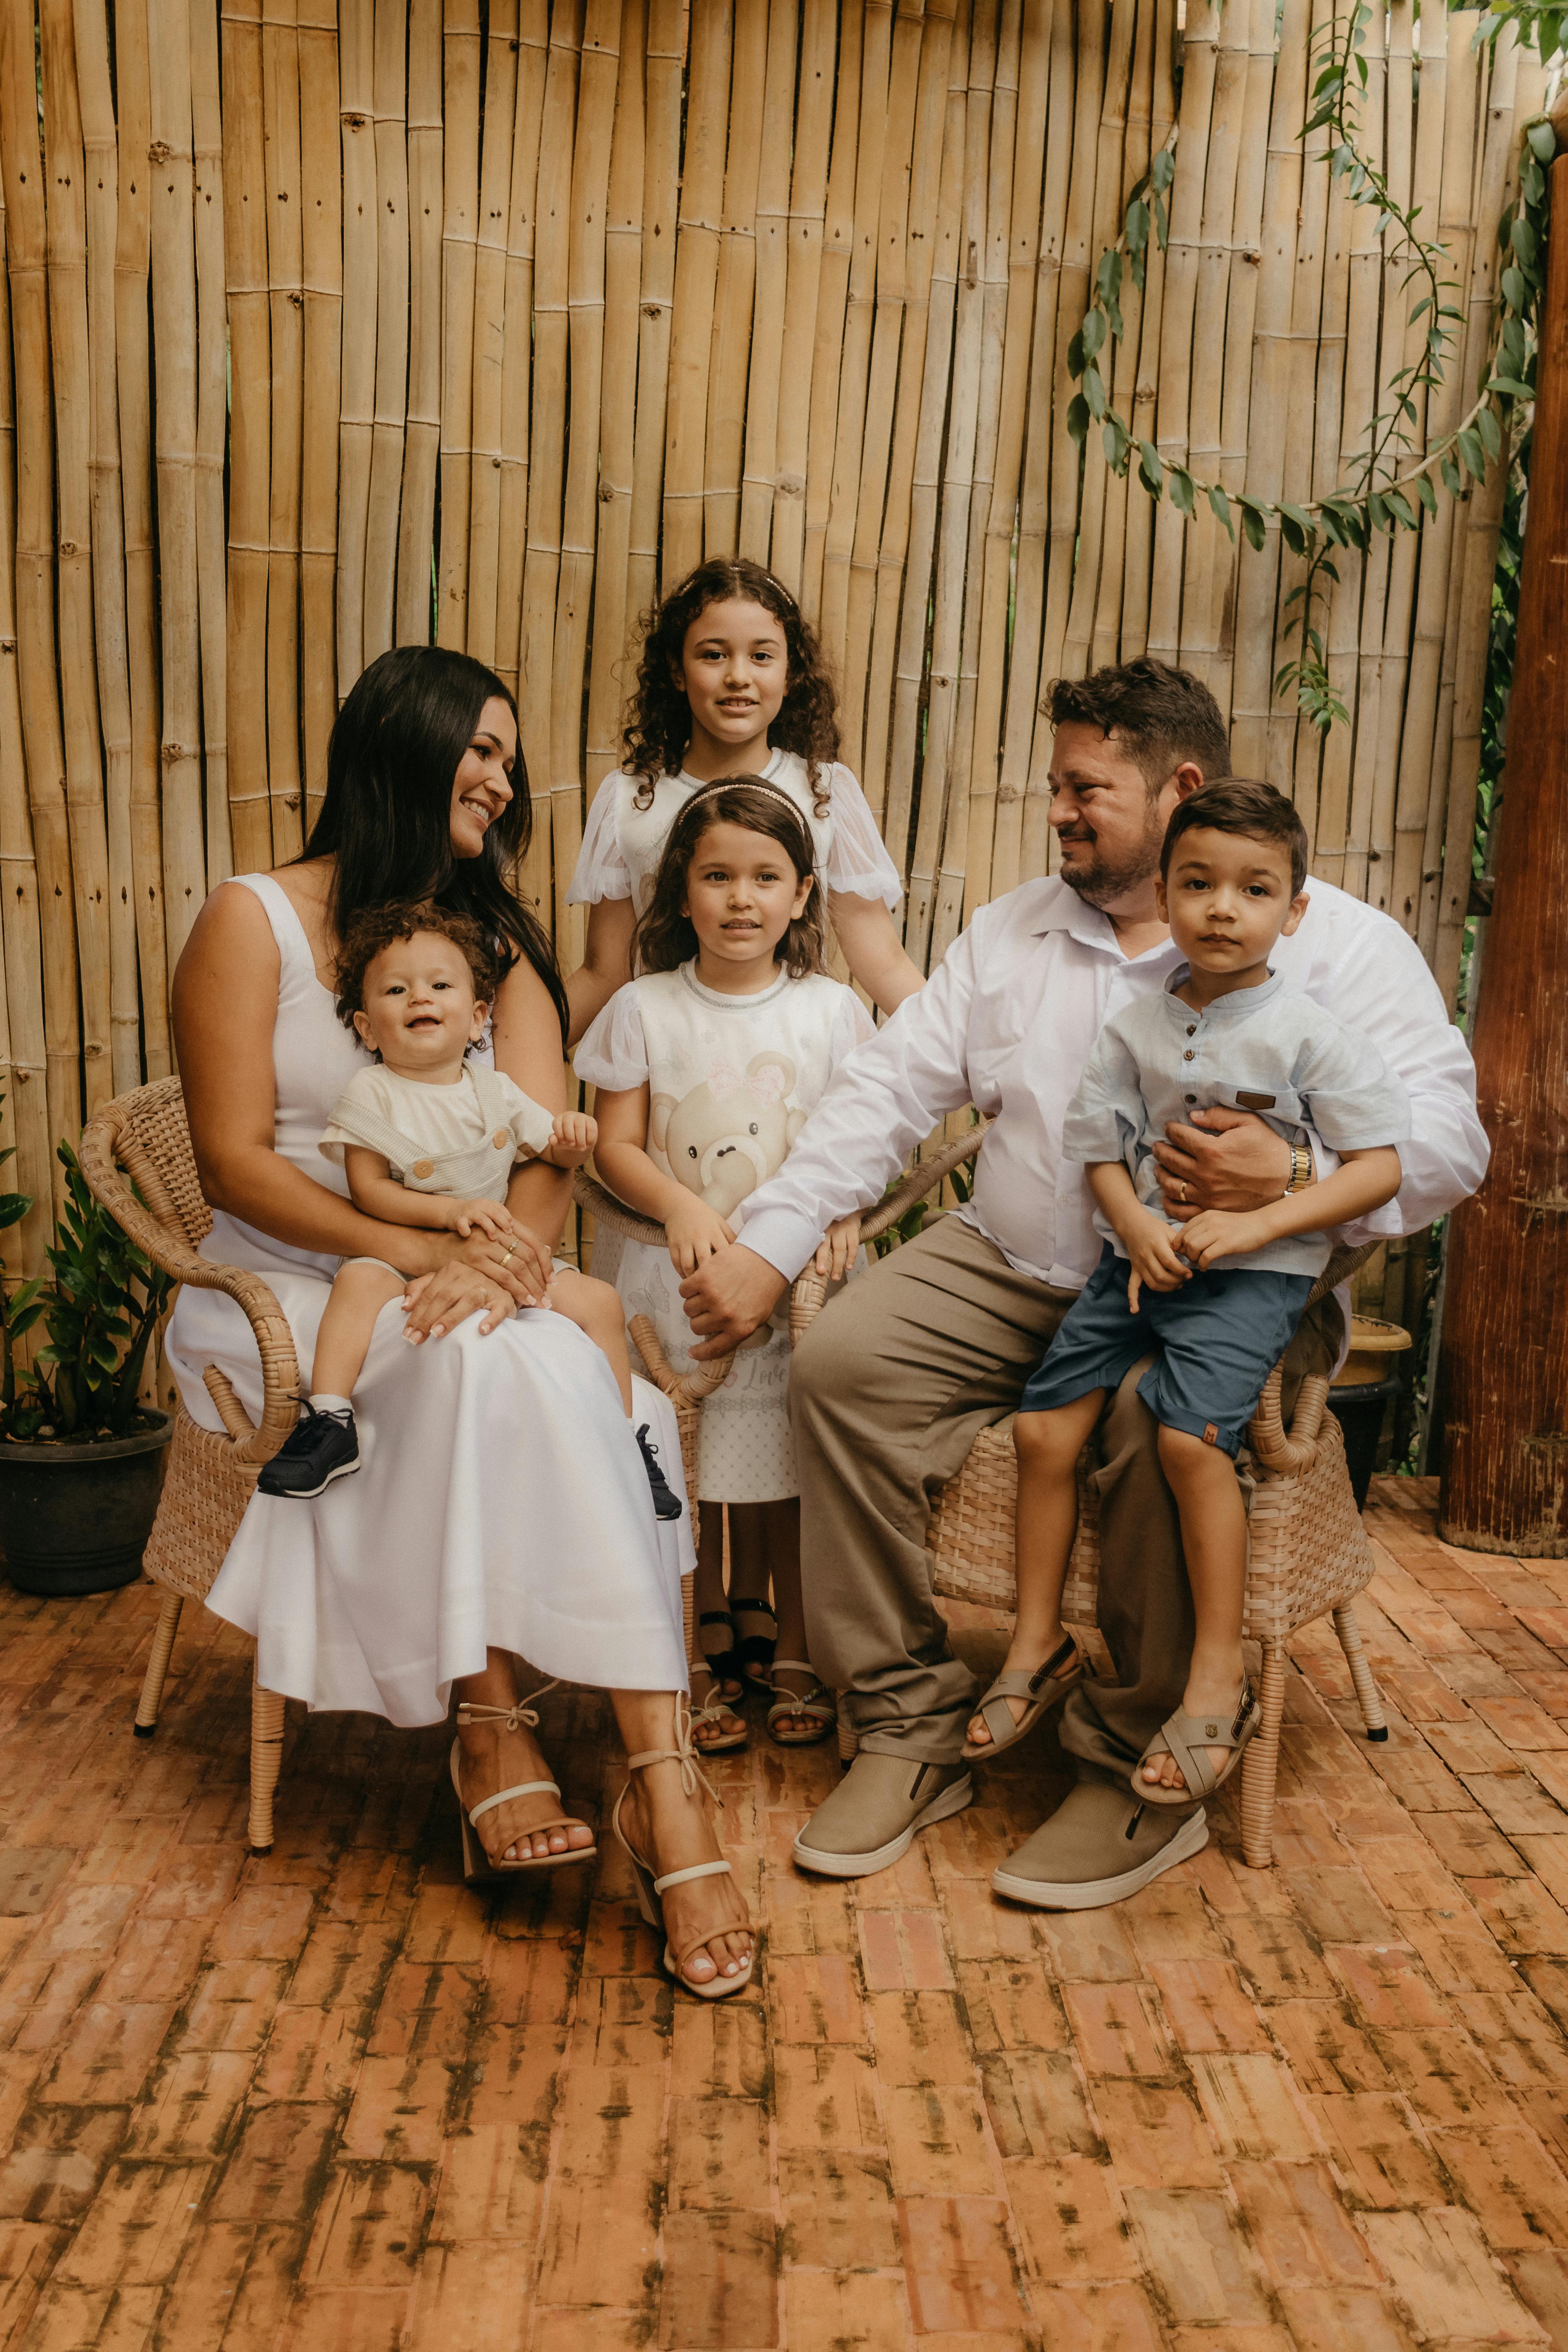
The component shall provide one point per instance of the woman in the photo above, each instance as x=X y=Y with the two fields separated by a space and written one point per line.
x=504 y=1511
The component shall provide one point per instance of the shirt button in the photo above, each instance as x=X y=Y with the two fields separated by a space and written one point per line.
x=424 y=1167
x=501 y=1139
x=1192 y=1098
x=1193 y=1031
x=1189 y=1055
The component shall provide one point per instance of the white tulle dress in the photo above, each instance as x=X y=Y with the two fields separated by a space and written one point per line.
x=501 y=1502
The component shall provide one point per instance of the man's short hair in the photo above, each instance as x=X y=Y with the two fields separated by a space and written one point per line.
x=1165 y=717
x=1239 y=805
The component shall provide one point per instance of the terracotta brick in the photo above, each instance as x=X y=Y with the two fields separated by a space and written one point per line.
x=1117 y=2029
x=1444 y=2078
x=84 y=1919
x=1071 y=2219
x=1440 y=2271
x=1296 y=2224
x=187 y=2110
x=1089 y=1947
x=581 y=2330
x=1171 y=1921
x=154 y=1959
x=447 y=1923
x=808 y=1914
x=351 y=2319
x=1344 y=2319
x=1012 y=2005
x=720 y=2281
x=310 y=2053
x=1375 y=2143
x=1206 y=2007
x=1038 y=2107
x=1548 y=1858
x=815 y=1999
x=1516 y=2191
x=920 y=2037
x=343 y=1967
x=1157 y=2138
x=826 y=2098
x=838 y=2211
x=490 y=2185
x=1520 y=1915
x=1328 y=2051
x=612 y=2123
x=471 y=2294
x=114 y=2320
x=58 y=2156
x=133 y=2233
x=1517 y=1802
x=584 y=2261
x=1279 y=1961
x=1193 y=2248
x=1456 y=1951
x=871 y=2314
x=234 y=2006
x=1253 y=2108
x=110 y=2055
x=510 y=2076
x=277 y=2168
x=1541 y=2281
x=1388 y=1986
x=958 y=2264
x=903 y=1948
x=979 y=1928
x=625 y=2022
x=29 y=1876
x=425 y=2011
x=718 y=2153
x=1466 y=1842
x=937 y=2143
x=399 y=2110
x=1100 y=2319
x=369 y=2223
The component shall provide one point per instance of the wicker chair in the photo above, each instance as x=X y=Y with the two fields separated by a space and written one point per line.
x=142 y=1140
x=1308 y=1553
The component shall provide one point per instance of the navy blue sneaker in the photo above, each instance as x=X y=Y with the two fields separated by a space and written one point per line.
x=321 y=1447
x=666 y=1503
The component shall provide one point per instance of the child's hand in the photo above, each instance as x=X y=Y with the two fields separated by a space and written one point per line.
x=491 y=1217
x=574 y=1138
x=1152 y=1252
x=838 y=1249
x=694 y=1231
x=1221 y=1232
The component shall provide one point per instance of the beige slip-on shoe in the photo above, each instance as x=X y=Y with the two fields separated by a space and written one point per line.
x=870 y=1819
x=1100 y=1846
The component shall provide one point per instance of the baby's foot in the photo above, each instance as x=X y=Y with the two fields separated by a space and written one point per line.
x=1057 y=1652
x=1222 y=1702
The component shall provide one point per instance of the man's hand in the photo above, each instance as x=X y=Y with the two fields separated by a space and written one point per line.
x=838 y=1248
x=1224 y=1159
x=728 y=1298
x=1152 y=1255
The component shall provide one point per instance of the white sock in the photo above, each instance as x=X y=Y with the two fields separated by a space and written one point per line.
x=324 y=1401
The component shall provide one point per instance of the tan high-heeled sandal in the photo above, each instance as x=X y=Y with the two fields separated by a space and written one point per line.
x=649 y=1888
x=477 y=1863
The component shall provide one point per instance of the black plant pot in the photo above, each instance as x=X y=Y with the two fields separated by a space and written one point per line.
x=1359 y=1407
x=75 y=1518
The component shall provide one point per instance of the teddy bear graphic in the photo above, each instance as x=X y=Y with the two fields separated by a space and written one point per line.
x=730 y=1133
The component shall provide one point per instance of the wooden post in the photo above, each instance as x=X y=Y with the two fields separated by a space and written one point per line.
x=1505 y=1369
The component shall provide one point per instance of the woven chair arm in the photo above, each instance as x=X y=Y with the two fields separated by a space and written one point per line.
x=1278 y=1452
x=173 y=1254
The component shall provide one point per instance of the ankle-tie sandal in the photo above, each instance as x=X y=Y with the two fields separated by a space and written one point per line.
x=818 y=1705
x=755 y=1652
x=650 y=1889
x=478 y=1866
x=1187 y=1737
x=1042 y=1688
x=716 y=1708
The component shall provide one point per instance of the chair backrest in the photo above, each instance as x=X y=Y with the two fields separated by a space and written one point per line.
x=146 y=1134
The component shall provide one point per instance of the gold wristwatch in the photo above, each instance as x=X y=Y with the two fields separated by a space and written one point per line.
x=1300 y=1171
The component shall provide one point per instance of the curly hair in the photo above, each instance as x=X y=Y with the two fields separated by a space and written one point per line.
x=666 y=937
x=376 y=928
x=1164 y=717
x=658 y=718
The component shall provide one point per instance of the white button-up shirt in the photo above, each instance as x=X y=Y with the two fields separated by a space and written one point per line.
x=1007 y=1022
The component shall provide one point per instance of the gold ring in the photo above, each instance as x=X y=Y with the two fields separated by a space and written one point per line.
x=510 y=1252
x=1183 y=1193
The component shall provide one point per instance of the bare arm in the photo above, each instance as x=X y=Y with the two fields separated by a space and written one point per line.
x=694 y=1231
x=1150 y=1250
x=606 y=962
x=873 y=950
x=373 y=1189
x=1362 y=1182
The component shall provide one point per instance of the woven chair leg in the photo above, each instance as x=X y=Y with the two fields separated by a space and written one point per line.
x=688 y=1619
x=266 y=1763
x=848 y=1737
x=1260 y=1765
x=164 y=1633
x=1366 y=1690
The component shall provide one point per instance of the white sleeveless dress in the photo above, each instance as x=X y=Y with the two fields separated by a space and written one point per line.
x=502 y=1501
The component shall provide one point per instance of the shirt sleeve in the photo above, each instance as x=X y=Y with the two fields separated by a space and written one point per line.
x=858 y=864
x=362 y=1095
x=602 y=871
x=1106 y=1115
x=613 y=1051
x=1380 y=984
x=887 y=1098
x=533 y=1127
x=852 y=1024
x=1353 y=1099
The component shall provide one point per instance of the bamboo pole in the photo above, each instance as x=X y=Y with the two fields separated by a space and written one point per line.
x=65 y=234
x=175 y=348
x=356 y=431
x=390 y=90
x=132 y=266
x=422 y=433
x=888 y=517
x=771 y=286
x=321 y=249
x=807 y=213
x=660 y=199
x=459 y=233
x=728 y=358
x=102 y=201
x=517 y=357
x=1137 y=558
x=696 y=281
x=212 y=434
x=1117 y=492
x=285 y=309
x=579 y=522
x=617 y=414
x=29 y=1126
x=250 y=433
x=1210 y=291
x=490 y=337
x=852 y=104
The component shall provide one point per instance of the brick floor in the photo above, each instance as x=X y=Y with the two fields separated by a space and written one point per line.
x=331 y=2097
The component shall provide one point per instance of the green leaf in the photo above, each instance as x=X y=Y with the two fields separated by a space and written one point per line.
x=1472 y=451
x=1253 y=523
x=1113 y=313
x=1542 y=141
x=1107 y=277
x=1075 y=355
x=1515 y=293
x=1510 y=387
x=1291 y=532
x=1221 y=507
x=1114 y=437
x=1180 y=483
x=1425 y=493
x=1137 y=226
x=1077 y=418
x=1300 y=516
x=1400 y=507
x=1091 y=336
x=1094 y=393
x=13 y=1207
x=1521 y=236
x=1377 y=509
x=1162 y=171
x=1150 y=468
x=1490 y=431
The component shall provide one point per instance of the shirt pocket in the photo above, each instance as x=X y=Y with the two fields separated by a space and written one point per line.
x=1266 y=1099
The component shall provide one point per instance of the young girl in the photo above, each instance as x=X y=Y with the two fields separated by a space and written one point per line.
x=731 y=682
x=428 y=1138
x=707 y=1066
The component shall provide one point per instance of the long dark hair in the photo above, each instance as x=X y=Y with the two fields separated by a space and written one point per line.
x=658 y=721
x=386 y=817
x=665 y=938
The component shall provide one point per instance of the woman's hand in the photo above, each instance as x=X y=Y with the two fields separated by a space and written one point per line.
x=438 y=1303
x=838 y=1248
x=694 y=1231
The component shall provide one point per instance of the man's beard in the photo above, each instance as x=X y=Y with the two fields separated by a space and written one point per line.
x=1100 y=881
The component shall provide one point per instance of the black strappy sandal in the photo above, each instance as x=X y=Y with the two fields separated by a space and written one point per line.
x=728 y=1685
x=755 y=1652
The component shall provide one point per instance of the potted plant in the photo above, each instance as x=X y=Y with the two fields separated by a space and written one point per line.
x=81 y=1459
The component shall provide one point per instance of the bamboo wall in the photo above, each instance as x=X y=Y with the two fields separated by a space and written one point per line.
x=323 y=330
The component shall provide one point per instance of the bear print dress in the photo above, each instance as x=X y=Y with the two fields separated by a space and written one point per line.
x=732 y=1081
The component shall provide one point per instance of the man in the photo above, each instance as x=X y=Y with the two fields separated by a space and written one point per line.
x=900 y=1374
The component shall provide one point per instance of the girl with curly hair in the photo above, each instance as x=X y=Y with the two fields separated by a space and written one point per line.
x=731 y=681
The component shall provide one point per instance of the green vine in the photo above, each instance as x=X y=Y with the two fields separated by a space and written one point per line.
x=1393 y=486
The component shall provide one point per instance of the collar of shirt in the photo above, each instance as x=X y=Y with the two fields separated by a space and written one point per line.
x=1233 y=1005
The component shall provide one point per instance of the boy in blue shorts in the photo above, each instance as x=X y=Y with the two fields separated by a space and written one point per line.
x=1217 y=1297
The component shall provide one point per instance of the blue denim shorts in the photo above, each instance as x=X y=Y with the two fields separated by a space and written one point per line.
x=1217 y=1340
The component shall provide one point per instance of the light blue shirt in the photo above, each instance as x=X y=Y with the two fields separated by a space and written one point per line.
x=1269 y=1050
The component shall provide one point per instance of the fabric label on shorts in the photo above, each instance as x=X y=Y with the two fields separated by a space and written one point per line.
x=1211 y=1434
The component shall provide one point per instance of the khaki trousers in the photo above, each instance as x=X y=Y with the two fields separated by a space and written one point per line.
x=887 y=1392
